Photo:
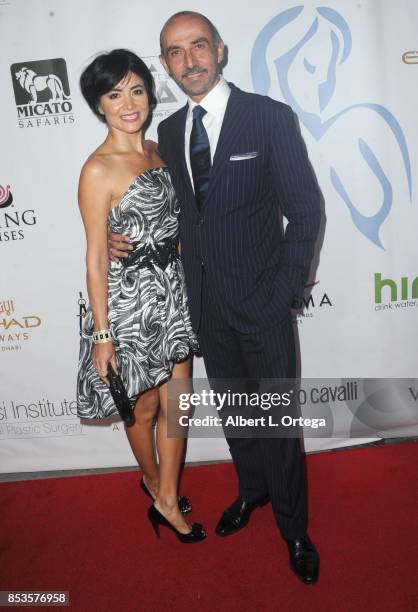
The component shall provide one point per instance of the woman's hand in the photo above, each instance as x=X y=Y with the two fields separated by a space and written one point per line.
x=102 y=355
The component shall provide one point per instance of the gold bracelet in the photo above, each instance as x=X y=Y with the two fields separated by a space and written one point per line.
x=102 y=336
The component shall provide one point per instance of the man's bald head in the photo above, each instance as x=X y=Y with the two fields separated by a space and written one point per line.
x=216 y=38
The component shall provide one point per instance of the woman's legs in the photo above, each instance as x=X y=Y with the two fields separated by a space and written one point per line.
x=141 y=438
x=171 y=450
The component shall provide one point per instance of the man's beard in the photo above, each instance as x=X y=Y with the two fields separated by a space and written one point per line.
x=200 y=88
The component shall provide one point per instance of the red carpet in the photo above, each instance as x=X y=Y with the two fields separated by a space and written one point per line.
x=89 y=535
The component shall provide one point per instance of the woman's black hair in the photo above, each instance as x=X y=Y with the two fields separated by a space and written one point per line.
x=109 y=69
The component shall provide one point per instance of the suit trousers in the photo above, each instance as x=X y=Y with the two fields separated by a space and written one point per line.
x=266 y=467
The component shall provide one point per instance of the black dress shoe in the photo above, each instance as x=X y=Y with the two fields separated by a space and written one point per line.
x=304 y=559
x=234 y=518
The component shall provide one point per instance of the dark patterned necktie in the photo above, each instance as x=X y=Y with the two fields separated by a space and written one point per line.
x=199 y=156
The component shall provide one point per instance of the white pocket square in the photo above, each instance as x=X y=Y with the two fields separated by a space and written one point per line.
x=243 y=156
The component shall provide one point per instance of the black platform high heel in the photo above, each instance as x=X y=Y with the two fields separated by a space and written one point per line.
x=185 y=505
x=197 y=533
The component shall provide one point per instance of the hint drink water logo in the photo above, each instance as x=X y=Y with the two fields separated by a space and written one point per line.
x=390 y=294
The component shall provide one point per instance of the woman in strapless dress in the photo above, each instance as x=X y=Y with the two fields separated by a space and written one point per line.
x=138 y=319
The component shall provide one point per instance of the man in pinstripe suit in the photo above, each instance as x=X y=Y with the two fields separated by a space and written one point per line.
x=242 y=271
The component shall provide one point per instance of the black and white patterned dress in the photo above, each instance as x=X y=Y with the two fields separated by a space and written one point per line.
x=147 y=304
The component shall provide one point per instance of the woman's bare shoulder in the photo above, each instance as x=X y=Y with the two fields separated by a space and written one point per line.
x=97 y=165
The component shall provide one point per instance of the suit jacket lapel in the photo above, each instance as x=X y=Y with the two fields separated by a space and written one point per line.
x=233 y=123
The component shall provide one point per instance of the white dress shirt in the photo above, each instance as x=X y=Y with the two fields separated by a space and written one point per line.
x=214 y=104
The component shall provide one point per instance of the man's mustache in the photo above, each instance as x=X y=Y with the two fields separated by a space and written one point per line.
x=192 y=70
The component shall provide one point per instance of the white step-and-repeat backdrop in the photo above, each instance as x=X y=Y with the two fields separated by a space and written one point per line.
x=349 y=70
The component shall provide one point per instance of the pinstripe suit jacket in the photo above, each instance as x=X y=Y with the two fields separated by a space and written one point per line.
x=252 y=267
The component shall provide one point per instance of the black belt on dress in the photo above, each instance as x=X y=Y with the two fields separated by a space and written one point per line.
x=160 y=255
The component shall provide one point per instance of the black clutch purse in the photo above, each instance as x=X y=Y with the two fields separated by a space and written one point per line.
x=120 y=397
